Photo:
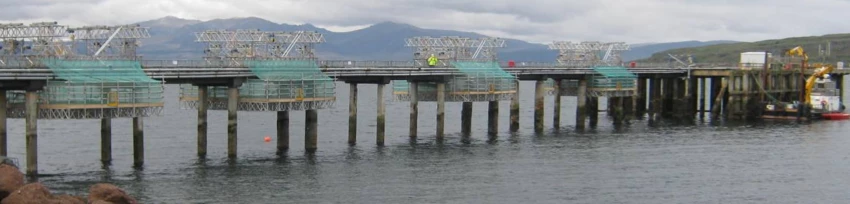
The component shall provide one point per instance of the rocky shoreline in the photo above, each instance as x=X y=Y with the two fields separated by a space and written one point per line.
x=13 y=190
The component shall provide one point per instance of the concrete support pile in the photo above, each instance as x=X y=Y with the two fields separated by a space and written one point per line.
x=514 y=123
x=106 y=140
x=232 y=100
x=3 y=139
x=539 y=105
x=640 y=98
x=493 y=118
x=282 y=131
x=381 y=118
x=138 y=142
x=441 y=111
x=311 y=130
x=352 y=114
x=581 y=105
x=556 y=112
x=414 y=109
x=593 y=111
x=202 y=121
x=655 y=99
x=466 y=119
x=32 y=131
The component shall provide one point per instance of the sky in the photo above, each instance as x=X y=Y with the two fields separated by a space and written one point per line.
x=540 y=21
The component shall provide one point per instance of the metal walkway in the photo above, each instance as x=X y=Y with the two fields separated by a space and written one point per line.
x=179 y=71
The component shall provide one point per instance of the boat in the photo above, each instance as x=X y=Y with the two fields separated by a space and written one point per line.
x=835 y=116
x=821 y=99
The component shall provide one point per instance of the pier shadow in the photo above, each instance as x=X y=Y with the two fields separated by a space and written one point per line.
x=138 y=167
x=514 y=138
x=352 y=154
x=310 y=158
x=106 y=174
x=138 y=175
x=105 y=165
x=466 y=139
x=32 y=178
x=232 y=161
x=493 y=139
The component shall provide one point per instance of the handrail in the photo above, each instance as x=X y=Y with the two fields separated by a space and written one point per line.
x=28 y=62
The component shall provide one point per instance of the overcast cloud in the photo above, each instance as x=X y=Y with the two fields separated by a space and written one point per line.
x=633 y=21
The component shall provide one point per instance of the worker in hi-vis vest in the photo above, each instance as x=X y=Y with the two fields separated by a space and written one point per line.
x=432 y=61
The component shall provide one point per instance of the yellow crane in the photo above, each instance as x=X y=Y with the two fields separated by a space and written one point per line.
x=820 y=72
x=798 y=51
x=810 y=82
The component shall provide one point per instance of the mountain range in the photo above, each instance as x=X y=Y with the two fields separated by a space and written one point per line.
x=173 y=38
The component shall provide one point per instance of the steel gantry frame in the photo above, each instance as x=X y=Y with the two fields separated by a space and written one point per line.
x=82 y=92
x=283 y=61
x=454 y=48
x=589 y=53
x=483 y=79
x=43 y=39
x=109 y=41
x=234 y=46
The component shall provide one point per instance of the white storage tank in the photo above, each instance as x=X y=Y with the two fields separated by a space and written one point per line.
x=751 y=60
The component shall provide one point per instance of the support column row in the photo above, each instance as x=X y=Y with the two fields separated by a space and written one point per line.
x=556 y=112
x=581 y=104
x=3 y=140
x=514 y=123
x=539 y=105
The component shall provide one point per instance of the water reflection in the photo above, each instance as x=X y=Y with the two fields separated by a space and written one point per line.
x=666 y=162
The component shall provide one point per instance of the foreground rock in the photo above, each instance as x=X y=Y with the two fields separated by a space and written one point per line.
x=69 y=199
x=108 y=193
x=11 y=179
x=36 y=193
x=13 y=191
x=30 y=193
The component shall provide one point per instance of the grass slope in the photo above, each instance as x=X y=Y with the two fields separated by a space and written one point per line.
x=730 y=53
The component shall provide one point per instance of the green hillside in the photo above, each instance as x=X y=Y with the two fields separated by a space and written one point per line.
x=730 y=53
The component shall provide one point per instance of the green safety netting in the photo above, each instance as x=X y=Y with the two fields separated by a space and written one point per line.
x=287 y=89
x=477 y=68
x=481 y=77
x=99 y=82
x=286 y=79
x=549 y=83
x=613 y=77
x=479 y=81
x=404 y=86
x=98 y=71
x=275 y=70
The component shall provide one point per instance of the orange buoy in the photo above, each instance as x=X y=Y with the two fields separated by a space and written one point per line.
x=267 y=139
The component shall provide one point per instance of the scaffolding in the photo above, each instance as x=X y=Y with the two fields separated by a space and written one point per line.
x=94 y=89
x=568 y=87
x=105 y=80
x=30 y=42
x=426 y=91
x=612 y=81
x=283 y=85
x=454 y=48
x=483 y=79
x=589 y=53
x=285 y=63
x=480 y=82
x=108 y=41
x=233 y=47
x=259 y=95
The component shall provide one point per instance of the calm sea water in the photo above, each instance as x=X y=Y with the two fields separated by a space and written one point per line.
x=705 y=163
